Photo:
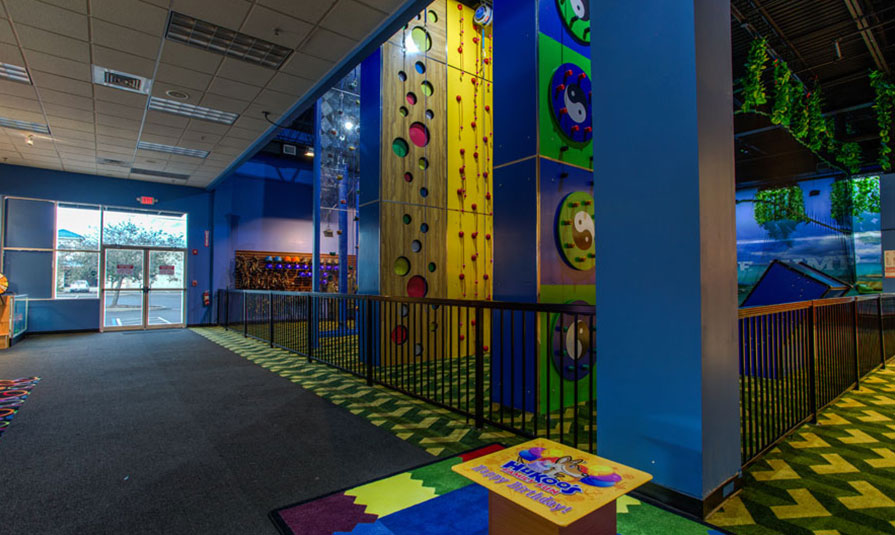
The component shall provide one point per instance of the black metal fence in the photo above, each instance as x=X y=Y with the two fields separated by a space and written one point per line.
x=526 y=368
x=797 y=358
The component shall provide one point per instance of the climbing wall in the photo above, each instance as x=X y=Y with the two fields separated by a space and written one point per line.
x=435 y=190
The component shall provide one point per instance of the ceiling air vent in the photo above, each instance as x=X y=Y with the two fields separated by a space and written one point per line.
x=213 y=38
x=289 y=149
x=159 y=174
x=121 y=80
x=110 y=161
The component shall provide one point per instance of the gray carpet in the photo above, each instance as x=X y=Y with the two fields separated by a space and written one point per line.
x=166 y=432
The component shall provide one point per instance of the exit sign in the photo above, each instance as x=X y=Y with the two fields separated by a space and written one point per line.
x=143 y=199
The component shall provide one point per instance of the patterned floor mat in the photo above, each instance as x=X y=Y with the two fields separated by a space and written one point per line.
x=433 y=500
x=834 y=478
x=13 y=393
x=439 y=431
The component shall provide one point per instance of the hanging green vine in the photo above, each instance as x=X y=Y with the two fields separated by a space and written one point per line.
x=754 y=94
x=801 y=111
x=854 y=197
x=885 y=101
x=780 y=113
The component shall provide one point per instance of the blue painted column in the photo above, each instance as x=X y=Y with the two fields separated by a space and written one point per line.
x=370 y=171
x=887 y=223
x=666 y=286
x=318 y=161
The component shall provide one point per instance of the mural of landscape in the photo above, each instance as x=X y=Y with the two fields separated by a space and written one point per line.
x=832 y=225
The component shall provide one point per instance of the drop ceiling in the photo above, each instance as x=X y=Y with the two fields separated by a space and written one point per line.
x=96 y=129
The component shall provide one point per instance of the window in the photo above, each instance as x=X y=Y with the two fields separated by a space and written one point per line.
x=52 y=250
x=77 y=251
x=143 y=229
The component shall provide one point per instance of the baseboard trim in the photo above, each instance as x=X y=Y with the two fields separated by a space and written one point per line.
x=686 y=504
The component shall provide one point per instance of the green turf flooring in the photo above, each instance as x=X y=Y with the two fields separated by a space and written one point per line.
x=834 y=478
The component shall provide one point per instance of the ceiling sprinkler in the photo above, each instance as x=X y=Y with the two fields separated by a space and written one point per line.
x=483 y=15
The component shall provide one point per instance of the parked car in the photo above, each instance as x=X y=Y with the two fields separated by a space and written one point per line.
x=79 y=287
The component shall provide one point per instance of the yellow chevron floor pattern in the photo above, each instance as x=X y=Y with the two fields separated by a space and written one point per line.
x=836 y=477
x=438 y=431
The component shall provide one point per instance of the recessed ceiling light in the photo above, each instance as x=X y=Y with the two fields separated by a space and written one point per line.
x=176 y=93
x=172 y=149
x=121 y=80
x=190 y=110
x=14 y=73
x=309 y=153
x=24 y=125
x=214 y=38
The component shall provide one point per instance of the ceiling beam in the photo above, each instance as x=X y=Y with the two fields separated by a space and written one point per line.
x=857 y=14
x=773 y=24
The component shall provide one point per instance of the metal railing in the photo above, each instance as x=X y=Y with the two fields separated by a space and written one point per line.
x=526 y=368
x=797 y=358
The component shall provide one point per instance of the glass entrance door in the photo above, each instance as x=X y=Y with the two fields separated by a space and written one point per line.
x=143 y=288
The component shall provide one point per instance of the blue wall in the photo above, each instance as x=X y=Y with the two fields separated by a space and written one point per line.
x=257 y=214
x=83 y=314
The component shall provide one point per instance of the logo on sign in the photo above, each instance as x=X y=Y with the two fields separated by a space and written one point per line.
x=166 y=270
x=124 y=269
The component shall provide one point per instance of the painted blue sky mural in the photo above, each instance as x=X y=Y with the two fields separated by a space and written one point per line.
x=835 y=229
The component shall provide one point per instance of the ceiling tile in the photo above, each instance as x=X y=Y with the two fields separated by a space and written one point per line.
x=50 y=18
x=119 y=96
x=308 y=11
x=276 y=27
x=275 y=101
x=68 y=113
x=24 y=104
x=71 y=144
x=199 y=137
x=64 y=133
x=45 y=80
x=115 y=144
x=222 y=103
x=293 y=85
x=80 y=157
x=325 y=44
x=51 y=43
x=250 y=134
x=131 y=13
x=75 y=5
x=122 y=61
x=6 y=35
x=235 y=69
x=66 y=99
x=159 y=130
x=233 y=89
x=352 y=19
x=167 y=119
x=307 y=66
x=190 y=58
x=183 y=78
x=124 y=134
x=119 y=110
x=17 y=89
x=251 y=123
x=39 y=61
x=71 y=124
x=152 y=156
x=10 y=53
x=228 y=13
x=207 y=127
x=22 y=115
x=117 y=122
x=125 y=39
x=153 y=138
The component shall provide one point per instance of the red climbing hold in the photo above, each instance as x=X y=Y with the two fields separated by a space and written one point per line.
x=487 y=108
x=485 y=348
x=472 y=124
x=459 y=98
x=485 y=174
x=462 y=276
x=487 y=61
x=460 y=7
x=563 y=111
x=472 y=322
x=588 y=129
x=485 y=276
x=459 y=191
x=485 y=139
x=581 y=76
x=460 y=49
x=560 y=88
x=475 y=155
x=461 y=233
x=488 y=195
x=475 y=40
x=569 y=73
x=474 y=206
x=462 y=152
x=575 y=128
